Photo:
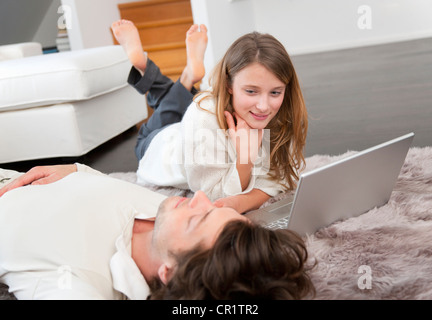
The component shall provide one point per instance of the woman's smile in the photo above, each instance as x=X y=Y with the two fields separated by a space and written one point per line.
x=259 y=117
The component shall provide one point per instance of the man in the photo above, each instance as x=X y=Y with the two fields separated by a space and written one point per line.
x=70 y=232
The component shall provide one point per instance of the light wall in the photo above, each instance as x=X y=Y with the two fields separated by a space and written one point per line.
x=314 y=25
x=90 y=22
x=306 y=26
x=226 y=21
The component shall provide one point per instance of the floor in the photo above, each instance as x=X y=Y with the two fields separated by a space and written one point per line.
x=356 y=98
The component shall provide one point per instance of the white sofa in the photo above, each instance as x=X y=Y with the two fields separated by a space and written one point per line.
x=63 y=104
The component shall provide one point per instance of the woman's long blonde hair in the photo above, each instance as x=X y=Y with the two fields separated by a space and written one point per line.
x=288 y=129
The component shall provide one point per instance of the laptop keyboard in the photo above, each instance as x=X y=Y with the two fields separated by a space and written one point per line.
x=281 y=223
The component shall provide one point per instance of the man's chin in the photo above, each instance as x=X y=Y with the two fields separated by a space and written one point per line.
x=163 y=207
x=167 y=205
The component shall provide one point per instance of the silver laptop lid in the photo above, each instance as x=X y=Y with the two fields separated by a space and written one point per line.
x=348 y=187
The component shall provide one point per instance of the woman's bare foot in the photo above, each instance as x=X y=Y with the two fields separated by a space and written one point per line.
x=127 y=35
x=196 y=44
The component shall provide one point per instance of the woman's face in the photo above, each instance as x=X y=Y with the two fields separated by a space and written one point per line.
x=257 y=95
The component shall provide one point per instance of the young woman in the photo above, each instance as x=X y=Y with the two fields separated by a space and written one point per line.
x=242 y=140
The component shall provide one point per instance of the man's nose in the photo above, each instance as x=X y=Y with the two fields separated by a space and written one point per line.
x=200 y=199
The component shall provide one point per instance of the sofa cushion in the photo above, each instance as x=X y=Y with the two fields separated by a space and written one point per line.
x=62 y=77
x=20 y=50
x=68 y=129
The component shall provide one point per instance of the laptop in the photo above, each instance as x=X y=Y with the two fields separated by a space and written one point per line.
x=339 y=190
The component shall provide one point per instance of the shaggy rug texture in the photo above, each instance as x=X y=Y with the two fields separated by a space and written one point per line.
x=385 y=253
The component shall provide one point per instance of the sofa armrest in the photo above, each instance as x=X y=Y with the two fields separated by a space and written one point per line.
x=20 y=50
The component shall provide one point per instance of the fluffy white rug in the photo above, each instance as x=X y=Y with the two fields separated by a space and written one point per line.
x=385 y=253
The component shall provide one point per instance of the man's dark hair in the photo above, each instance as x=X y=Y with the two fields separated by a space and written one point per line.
x=247 y=262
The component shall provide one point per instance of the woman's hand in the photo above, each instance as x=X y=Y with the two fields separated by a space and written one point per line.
x=40 y=175
x=247 y=140
x=231 y=202
x=243 y=202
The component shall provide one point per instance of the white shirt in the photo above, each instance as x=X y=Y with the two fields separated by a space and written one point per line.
x=72 y=239
x=197 y=154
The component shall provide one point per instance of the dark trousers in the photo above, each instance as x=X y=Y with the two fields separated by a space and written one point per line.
x=168 y=99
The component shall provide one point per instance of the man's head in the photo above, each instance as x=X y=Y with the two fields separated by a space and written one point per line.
x=186 y=223
x=216 y=253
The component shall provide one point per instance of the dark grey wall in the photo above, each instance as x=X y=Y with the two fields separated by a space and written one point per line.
x=26 y=20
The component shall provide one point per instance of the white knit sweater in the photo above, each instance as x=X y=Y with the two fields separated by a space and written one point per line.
x=196 y=154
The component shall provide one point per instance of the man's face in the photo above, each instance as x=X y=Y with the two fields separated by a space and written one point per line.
x=182 y=223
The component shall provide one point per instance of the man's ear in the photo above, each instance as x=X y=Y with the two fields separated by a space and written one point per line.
x=165 y=272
